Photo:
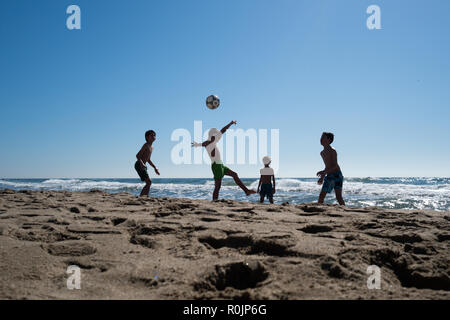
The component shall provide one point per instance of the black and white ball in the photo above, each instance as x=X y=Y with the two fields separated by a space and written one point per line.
x=212 y=102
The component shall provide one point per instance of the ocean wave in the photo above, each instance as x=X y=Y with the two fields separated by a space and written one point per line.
x=283 y=184
x=61 y=181
x=69 y=185
x=400 y=180
x=14 y=184
x=401 y=193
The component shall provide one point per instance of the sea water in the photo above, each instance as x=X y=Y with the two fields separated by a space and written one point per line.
x=394 y=193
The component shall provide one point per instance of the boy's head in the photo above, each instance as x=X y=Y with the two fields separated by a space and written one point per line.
x=266 y=160
x=213 y=133
x=150 y=136
x=327 y=138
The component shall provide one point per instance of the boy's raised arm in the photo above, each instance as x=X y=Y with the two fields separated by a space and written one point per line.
x=227 y=126
x=154 y=167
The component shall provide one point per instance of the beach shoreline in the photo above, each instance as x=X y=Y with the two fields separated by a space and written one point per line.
x=177 y=248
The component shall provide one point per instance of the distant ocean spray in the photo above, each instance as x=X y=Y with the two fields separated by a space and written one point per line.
x=394 y=193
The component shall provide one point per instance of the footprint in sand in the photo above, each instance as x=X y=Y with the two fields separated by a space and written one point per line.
x=207 y=219
x=314 y=228
x=74 y=210
x=398 y=237
x=152 y=230
x=443 y=237
x=144 y=240
x=117 y=221
x=237 y=275
x=248 y=245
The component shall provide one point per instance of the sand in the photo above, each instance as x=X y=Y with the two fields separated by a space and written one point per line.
x=163 y=248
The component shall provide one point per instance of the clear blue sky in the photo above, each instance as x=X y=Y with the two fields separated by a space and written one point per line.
x=77 y=103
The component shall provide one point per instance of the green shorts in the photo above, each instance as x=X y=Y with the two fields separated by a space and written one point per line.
x=218 y=170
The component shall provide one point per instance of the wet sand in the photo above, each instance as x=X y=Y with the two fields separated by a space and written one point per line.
x=164 y=248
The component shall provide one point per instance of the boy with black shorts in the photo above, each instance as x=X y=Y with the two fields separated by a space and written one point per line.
x=143 y=156
x=265 y=187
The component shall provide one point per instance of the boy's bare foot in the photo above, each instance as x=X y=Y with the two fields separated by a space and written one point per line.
x=249 y=192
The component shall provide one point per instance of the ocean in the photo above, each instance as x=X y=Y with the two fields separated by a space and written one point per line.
x=393 y=193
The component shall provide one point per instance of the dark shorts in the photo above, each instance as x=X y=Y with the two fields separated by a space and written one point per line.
x=143 y=174
x=218 y=170
x=266 y=190
x=333 y=181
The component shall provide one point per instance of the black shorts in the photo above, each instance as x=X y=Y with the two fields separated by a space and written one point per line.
x=266 y=190
x=143 y=174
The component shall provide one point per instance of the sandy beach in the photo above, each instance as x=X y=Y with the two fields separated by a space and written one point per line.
x=166 y=248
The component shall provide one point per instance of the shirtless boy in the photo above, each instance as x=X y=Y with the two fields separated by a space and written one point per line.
x=331 y=177
x=217 y=167
x=143 y=156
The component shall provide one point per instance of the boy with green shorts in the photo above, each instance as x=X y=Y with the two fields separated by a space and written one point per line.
x=217 y=167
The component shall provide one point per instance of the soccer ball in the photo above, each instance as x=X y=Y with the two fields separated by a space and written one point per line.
x=212 y=102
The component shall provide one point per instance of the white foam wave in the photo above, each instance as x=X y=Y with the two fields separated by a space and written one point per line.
x=358 y=193
x=71 y=185
x=14 y=184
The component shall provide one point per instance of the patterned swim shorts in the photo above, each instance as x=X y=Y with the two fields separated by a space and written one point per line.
x=333 y=181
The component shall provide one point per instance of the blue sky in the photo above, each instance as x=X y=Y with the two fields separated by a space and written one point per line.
x=76 y=103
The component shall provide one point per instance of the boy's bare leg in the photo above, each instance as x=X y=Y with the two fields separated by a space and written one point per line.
x=322 y=197
x=271 y=200
x=218 y=183
x=339 y=196
x=238 y=181
x=261 y=199
x=145 y=191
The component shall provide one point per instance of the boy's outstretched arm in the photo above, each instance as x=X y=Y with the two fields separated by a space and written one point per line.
x=154 y=167
x=227 y=126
